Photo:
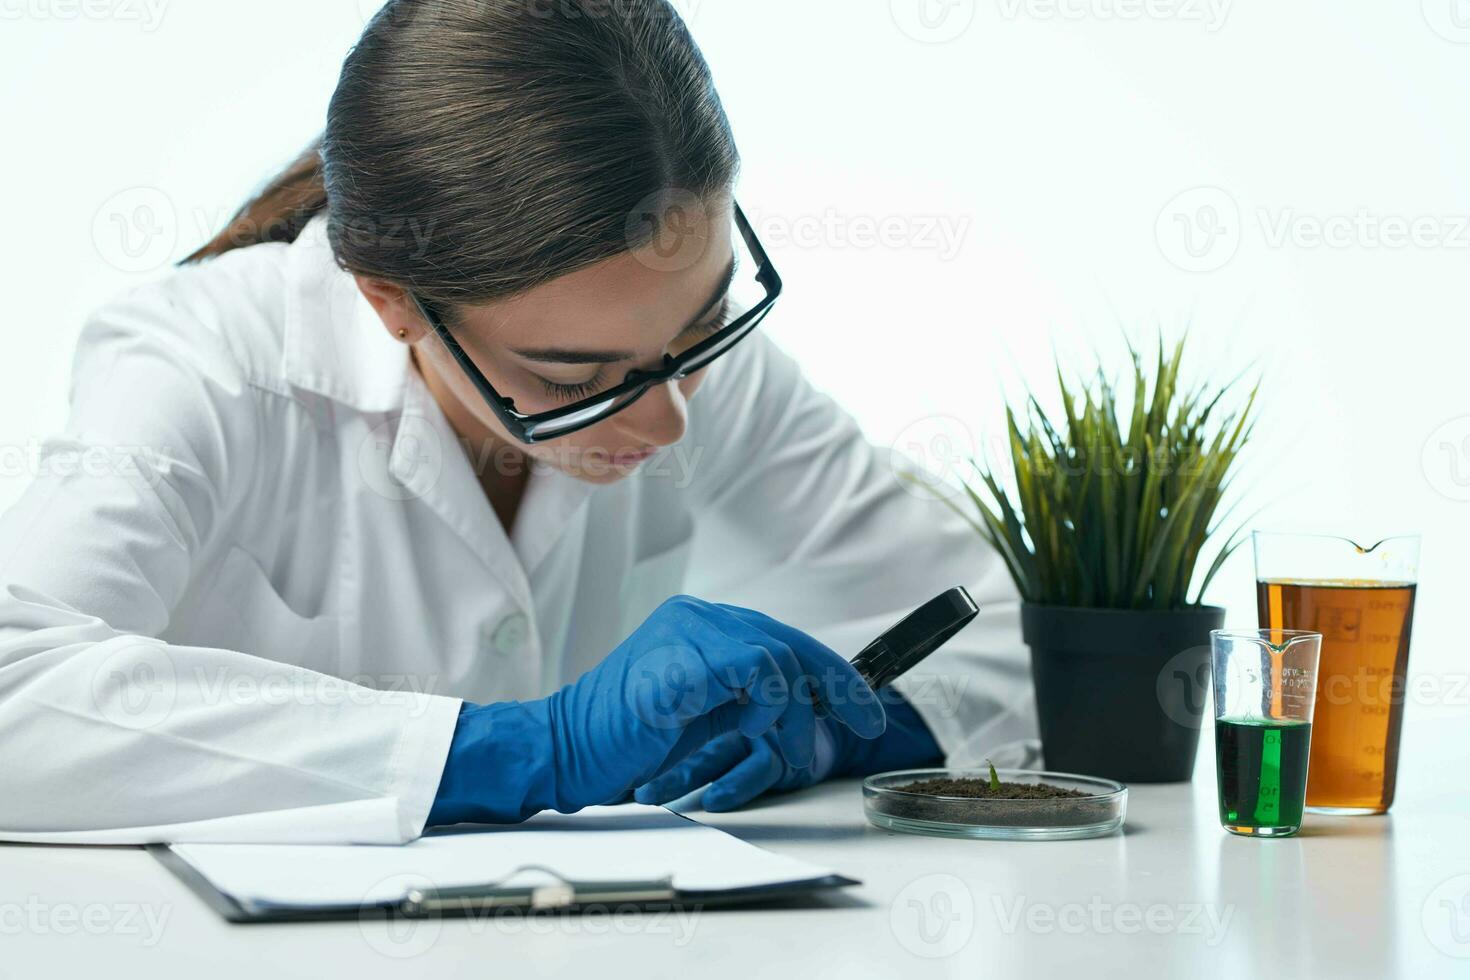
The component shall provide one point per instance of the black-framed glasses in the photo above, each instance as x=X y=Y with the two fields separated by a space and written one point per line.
x=565 y=420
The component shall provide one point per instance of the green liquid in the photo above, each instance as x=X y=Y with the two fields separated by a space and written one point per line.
x=1262 y=767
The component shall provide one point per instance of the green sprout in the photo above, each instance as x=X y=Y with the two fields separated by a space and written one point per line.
x=994 y=777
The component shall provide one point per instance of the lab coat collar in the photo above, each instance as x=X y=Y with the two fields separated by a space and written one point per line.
x=551 y=506
x=335 y=346
x=334 y=343
x=429 y=462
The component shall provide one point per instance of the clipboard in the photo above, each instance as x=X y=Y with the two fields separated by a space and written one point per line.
x=532 y=887
x=561 y=897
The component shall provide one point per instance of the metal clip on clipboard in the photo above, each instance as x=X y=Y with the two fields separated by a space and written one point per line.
x=543 y=897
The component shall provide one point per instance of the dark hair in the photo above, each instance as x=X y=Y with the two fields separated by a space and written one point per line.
x=477 y=148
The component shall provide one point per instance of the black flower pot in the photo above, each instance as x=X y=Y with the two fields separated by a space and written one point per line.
x=1121 y=693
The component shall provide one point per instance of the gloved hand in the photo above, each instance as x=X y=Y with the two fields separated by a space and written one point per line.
x=693 y=671
x=739 y=769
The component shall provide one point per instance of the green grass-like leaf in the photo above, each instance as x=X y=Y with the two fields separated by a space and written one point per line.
x=1108 y=512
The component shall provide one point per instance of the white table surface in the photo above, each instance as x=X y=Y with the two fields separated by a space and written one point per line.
x=1172 y=896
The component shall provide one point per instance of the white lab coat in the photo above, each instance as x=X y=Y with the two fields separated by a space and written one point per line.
x=252 y=580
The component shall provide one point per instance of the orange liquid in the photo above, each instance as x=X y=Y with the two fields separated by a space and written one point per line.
x=1360 y=683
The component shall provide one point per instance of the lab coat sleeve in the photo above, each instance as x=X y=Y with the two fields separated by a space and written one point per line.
x=110 y=735
x=798 y=515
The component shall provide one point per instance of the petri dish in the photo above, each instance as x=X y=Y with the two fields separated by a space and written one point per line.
x=1100 y=812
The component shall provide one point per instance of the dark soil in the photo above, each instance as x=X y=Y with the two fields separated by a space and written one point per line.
x=972 y=802
x=979 y=789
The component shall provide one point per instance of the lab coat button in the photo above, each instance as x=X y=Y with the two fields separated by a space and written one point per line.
x=510 y=635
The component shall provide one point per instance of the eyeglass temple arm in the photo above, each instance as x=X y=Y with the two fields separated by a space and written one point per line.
x=459 y=355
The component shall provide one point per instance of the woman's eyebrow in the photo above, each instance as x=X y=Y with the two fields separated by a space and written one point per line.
x=575 y=355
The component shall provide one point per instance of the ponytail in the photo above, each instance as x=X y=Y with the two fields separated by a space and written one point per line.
x=525 y=159
x=278 y=213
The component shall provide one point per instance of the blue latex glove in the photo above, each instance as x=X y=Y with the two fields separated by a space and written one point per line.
x=739 y=769
x=692 y=672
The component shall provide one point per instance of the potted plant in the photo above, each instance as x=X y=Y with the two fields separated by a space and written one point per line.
x=1103 y=524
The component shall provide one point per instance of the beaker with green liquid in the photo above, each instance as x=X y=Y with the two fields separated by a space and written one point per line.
x=1265 y=691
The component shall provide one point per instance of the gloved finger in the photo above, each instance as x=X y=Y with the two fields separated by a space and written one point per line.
x=759 y=686
x=715 y=759
x=844 y=693
x=701 y=731
x=680 y=680
x=756 y=774
x=795 y=730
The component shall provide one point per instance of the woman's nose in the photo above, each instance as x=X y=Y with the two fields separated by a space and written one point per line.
x=659 y=418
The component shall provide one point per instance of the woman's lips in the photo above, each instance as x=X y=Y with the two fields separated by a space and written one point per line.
x=633 y=458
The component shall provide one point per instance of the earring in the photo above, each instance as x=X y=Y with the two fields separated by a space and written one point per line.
x=402 y=333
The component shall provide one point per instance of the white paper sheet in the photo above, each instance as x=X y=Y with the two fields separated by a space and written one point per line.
x=373 y=821
x=622 y=843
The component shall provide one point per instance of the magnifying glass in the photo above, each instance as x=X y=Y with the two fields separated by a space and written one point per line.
x=914 y=637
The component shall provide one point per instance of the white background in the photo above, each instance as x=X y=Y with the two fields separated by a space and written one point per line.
x=1053 y=140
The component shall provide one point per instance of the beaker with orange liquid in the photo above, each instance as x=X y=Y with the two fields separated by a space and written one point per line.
x=1361 y=599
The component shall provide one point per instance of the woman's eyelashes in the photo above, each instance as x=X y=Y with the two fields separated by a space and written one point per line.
x=571 y=391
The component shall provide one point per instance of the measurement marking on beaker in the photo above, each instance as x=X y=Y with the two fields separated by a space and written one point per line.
x=1268 y=803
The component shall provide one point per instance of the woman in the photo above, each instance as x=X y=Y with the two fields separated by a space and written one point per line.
x=399 y=486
